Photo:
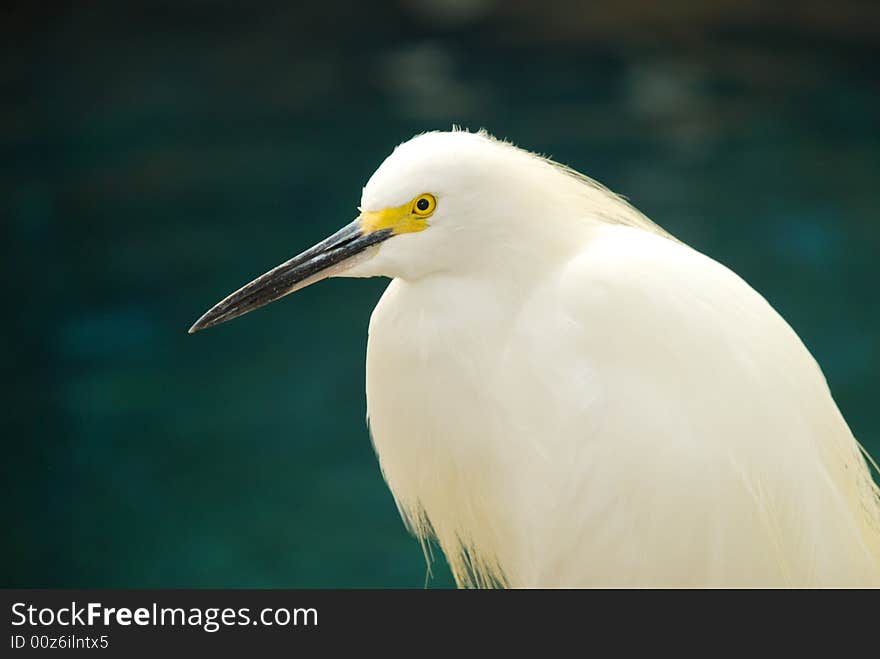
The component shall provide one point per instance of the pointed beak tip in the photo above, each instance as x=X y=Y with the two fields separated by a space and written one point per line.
x=199 y=325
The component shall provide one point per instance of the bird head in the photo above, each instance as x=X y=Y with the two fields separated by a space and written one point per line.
x=444 y=202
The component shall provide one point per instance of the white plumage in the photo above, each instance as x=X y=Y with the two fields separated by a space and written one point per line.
x=564 y=395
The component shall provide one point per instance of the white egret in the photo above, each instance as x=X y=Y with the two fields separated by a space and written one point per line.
x=562 y=394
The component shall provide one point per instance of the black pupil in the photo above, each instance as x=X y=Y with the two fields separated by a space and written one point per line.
x=422 y=204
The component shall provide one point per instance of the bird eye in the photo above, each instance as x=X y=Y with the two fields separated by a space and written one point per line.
x=424 y=205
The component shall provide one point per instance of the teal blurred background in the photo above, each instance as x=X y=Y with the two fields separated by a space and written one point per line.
x=155 y=156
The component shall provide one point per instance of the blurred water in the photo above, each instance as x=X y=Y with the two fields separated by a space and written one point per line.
x=156 y=156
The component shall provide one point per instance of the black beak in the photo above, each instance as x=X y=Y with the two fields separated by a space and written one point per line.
x=325 y=259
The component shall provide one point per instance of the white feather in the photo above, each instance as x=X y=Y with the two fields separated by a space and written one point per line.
x=562 y=395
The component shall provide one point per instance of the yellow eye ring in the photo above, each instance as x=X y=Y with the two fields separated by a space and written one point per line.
x=424 y=205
